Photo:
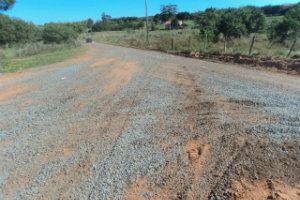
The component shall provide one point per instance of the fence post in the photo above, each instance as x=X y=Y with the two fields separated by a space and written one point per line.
x=20 y=52
x=225 y=44
x=173 y=45
x=251 y=46
x=205 y=42
x=292 y=48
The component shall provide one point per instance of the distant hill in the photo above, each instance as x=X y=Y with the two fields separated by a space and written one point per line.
x=277 y=10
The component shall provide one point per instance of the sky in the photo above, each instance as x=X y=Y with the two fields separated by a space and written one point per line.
x=43 y=11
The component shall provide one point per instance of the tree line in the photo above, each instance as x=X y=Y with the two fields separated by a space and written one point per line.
x=14 y=31
x=17 y=32
x=107 y=23
x=234 y=23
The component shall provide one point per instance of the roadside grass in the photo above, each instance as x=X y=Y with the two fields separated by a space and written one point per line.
x=187 y=40
x=49 y=55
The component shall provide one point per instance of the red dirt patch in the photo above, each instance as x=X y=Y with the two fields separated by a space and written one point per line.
x=119 y=76
x=135 y=191
x=196 y=152
x=10 y=92
x=104 y=61
x=12 y=76
x=264 y=189
x=83 y=58
x=67 y=152
x=275 y=64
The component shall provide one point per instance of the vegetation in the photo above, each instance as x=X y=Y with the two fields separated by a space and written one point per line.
x=47 y=54
x=277 y=10
x=6 y=4
x=24 y=45
x=207 y=30
x=207 y=22
x=187 y=40
x=118 y=24
x=17 y=31
x=288 y=27
x=275 y=29
x=59 y=33
x=168 y=12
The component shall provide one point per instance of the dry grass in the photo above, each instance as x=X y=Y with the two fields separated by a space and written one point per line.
x=36 y=55
x=188 y=41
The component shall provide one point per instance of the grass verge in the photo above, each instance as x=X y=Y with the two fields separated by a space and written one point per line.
x=177 y=41
x=41 y=59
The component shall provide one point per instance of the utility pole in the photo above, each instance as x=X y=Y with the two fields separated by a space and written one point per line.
x=146 y=5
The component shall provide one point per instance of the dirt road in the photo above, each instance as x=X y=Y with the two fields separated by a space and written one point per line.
x=121 y=123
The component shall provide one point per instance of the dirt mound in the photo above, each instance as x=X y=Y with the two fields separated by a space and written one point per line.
x=285 y=65
x=264 y=189
x=253 y=172
x=196 y=151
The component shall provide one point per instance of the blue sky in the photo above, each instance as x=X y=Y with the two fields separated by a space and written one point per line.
x=43 y=11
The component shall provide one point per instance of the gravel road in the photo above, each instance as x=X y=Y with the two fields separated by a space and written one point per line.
x=121 y=123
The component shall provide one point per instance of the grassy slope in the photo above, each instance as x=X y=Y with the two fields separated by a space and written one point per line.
x=20 y=63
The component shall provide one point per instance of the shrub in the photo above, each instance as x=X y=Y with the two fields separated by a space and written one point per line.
x=58 y=33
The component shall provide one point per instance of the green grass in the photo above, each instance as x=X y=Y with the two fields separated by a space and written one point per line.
x=13 y=64
x=186 y=40
x=190 y=23
x=273 y=18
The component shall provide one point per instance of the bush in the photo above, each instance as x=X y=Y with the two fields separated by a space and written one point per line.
x=154 y=27
x=58 y=33
x=17 y=31
x=174 y=23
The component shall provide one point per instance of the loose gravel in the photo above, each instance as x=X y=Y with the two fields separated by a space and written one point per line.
x=83 y=132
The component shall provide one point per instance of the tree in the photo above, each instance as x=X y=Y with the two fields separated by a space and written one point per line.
x=168 y=12
x=288 y=28
x=157 y=18
x=77 y=27
x=254 y=20
x=6 y=4
x=17 y=31
x=184 y=16
x=174 y=23
x=292 y=18
x=7 y=30
x=278 y=10
x=105 y=18
x=231 y=25
x=22 y=31
x=58 y=33
x=139 y=25
x=89 y=23
x=208 y=21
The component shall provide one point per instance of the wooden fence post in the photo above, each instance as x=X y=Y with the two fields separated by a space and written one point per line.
x=292 y=48
x=251 y=46
x=173 y=45
x=20 y=52
x=225 y=44
x=205 y=42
